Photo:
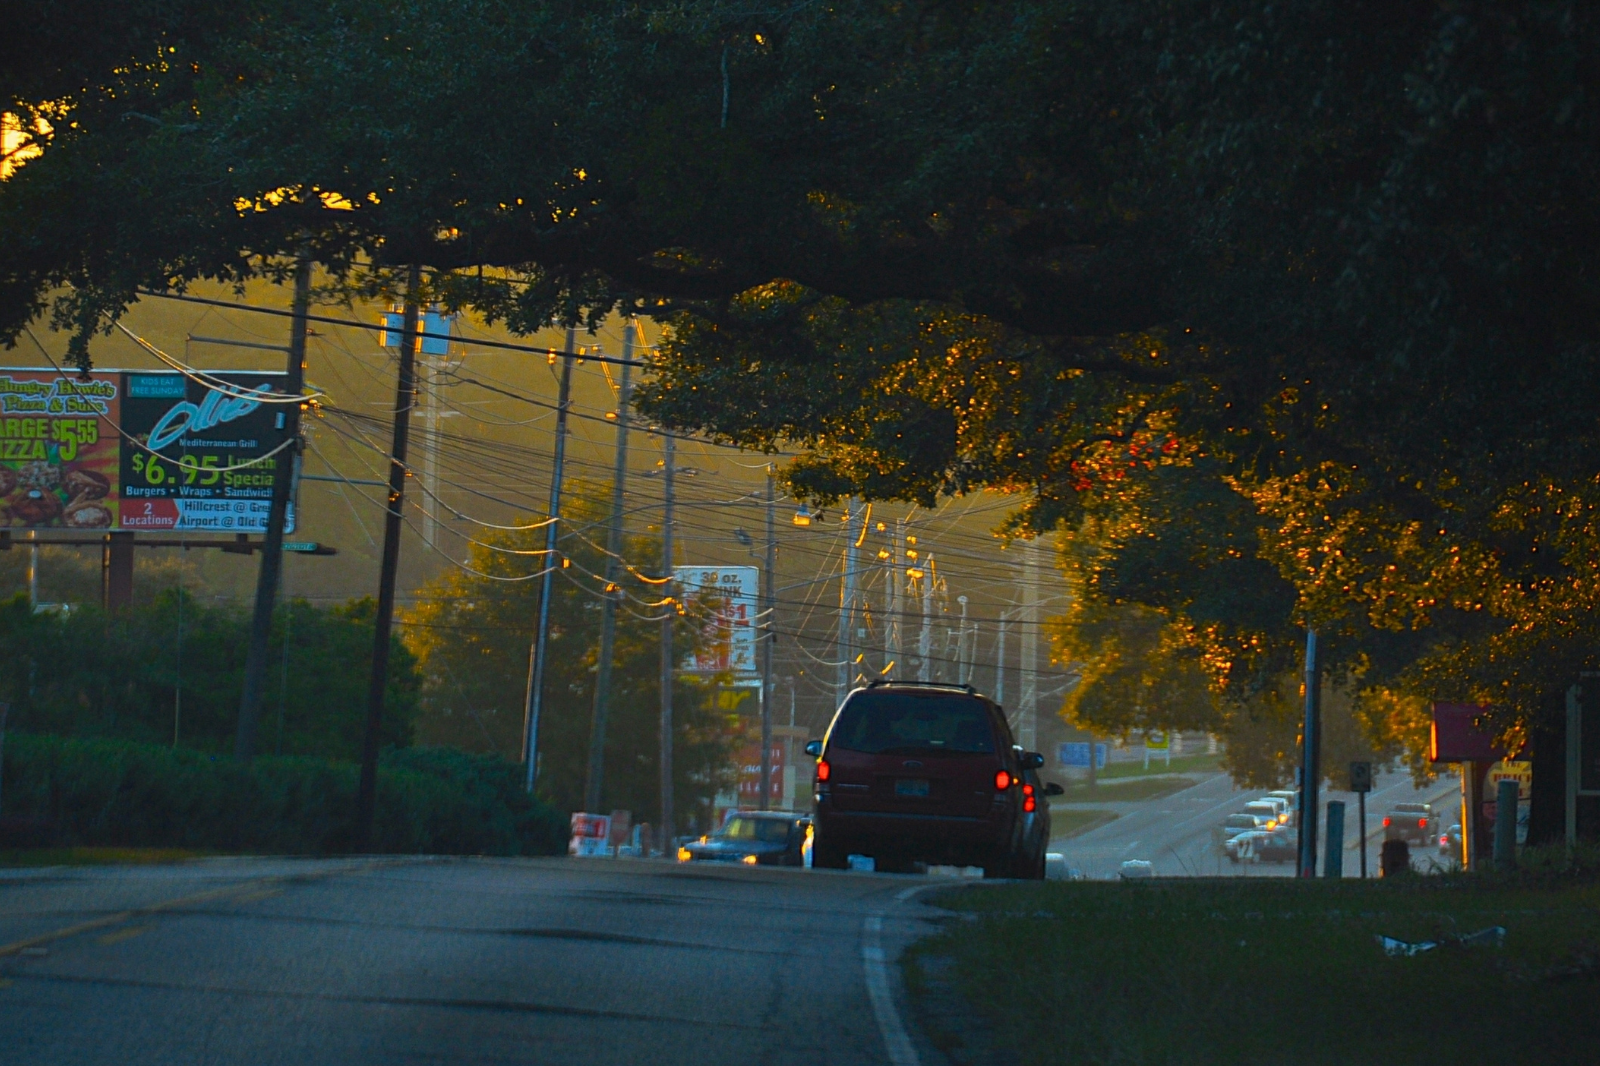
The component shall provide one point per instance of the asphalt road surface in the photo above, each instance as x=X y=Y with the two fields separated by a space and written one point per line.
x=1177 y=833
x=394 y=961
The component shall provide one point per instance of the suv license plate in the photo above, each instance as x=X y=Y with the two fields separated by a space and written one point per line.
x=907 y=786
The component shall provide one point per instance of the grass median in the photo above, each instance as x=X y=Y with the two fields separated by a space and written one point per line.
x=1270 y=971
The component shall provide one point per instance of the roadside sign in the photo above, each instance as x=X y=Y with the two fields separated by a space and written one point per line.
x=1076 y=753
x=1510 y=770
x=730 y=630
x=589 y=834
x=1361 y=777
x=140 y=450
x=1156 y=740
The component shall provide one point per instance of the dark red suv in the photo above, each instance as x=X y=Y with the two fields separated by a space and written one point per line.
x=920 y=773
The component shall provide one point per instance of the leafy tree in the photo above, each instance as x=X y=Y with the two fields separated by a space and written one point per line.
x=472 y=629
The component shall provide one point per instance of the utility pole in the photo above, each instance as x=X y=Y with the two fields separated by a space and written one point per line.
x=534 y=704
x=1028 y=706
x=962 y=673
x=667 y=663
x=1310 y=760
x=255 y=662
x=894 y=632
x=405 y=398
x=925 y=637
x=608 y=615
x=769 y=573
x=33 y=571
x=1000 y=660
x=847 y=604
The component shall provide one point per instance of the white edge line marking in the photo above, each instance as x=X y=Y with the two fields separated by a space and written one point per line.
x=880 y=990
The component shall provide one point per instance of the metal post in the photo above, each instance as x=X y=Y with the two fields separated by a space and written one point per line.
x=1028 y=705
x=177 y=687
x=608 y=608
x=5 y=712
x=1310 y=762
x=894 y=628
x=769 y=599
x=405 y=398
x=33 y=571
x=1361 y=806
x=1333 y=857
x=255 y=663
x=961 y=645
x=534 y=704
x=1505 y=825
x=667 y=664
x=1574 y=760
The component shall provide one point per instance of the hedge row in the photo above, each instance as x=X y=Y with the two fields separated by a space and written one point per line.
x=93 y=791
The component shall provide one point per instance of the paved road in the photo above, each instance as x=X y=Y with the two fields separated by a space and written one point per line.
x=548 y=961
x=1176 y=833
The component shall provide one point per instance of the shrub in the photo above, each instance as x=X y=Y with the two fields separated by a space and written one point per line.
x=96 y=791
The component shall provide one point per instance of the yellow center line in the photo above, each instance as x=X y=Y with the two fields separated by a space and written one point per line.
x=242 y=889
x=123 y=934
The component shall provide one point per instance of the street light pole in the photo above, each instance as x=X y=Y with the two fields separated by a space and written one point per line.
x=769 y=600
x=668 y=454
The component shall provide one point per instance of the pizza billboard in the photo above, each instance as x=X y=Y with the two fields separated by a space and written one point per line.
x=140 y=450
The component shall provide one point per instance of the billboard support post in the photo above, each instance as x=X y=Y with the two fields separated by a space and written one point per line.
x=255 y=664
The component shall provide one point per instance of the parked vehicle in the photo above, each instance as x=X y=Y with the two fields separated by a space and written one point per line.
x=1035 y=824
x=920 y=773
x=1408 y=822
x=755 y=838
x=1243 y=823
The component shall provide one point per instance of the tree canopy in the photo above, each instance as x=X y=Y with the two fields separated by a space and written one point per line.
x=1291 y=306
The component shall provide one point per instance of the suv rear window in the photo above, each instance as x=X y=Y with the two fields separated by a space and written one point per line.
x=880 y=723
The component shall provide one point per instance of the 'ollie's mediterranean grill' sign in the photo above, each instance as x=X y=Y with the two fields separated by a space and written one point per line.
x=135 y=450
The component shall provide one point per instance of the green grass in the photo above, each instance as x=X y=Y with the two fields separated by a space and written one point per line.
x=1071 y=823
x=1183 y=764
x=1126 y=789
x=96 y=856
x=1239 y=972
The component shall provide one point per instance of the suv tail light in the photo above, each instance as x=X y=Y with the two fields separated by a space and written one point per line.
x=824 y=771
x=1002 y=781
x=1028 y=802
x=1422 y=823
x=1386 y=821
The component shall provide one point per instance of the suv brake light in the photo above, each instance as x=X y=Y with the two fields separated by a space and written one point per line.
x=1386 y=821
x=1028 y=802
x=1002 y=781
x=824 y=771
x=1422 y=823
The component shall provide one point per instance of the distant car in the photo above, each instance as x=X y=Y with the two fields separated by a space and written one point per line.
x=1408 y=822
x=1291 y=800
x=1450 y=840
x=1035 y=824
x=754 y=838
x=1241 y=847
x=1265 y=809
x=1280 y=845
x=1243 y=823
x=1279 y=805
x=920 y=773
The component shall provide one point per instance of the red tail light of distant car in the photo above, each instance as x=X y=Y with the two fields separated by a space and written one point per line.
x=823 y=770
x=1028 y=802
x=1002 y=781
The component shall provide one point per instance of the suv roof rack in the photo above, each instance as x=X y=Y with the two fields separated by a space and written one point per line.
x=879 y=682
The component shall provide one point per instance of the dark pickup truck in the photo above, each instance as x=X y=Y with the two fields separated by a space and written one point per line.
x=1411 y=822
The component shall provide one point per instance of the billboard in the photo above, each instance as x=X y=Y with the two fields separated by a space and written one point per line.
x=730 y=645
x=138 y=450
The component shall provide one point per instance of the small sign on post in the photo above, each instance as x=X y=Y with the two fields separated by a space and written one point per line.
x=1361 y=784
